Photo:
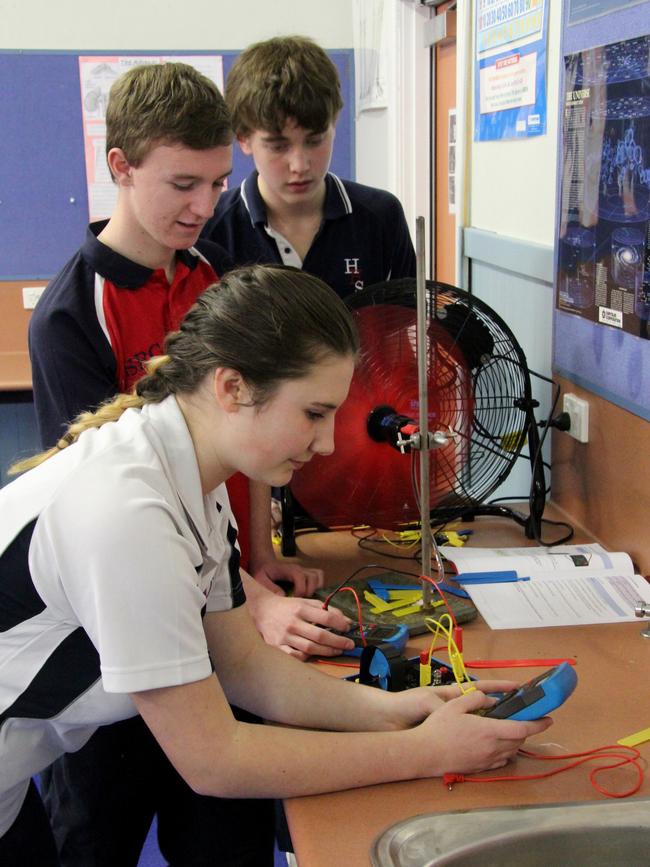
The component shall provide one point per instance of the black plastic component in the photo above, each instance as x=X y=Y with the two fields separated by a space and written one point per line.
x=385 y=425
x=383 y=666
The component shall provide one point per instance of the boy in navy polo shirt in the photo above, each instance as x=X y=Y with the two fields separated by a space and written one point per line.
x=284 y=97
x=108 y=310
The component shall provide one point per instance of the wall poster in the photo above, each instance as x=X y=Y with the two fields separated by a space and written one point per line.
x=603 y=263
x=510 y=74
x=96 y=75
x=585 y=10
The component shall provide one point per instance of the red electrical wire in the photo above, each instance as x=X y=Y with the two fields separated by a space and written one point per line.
x=608 y=751
x=354 y=593
x=442 y=596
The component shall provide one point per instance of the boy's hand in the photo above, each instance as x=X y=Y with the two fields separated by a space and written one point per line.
x=305 y=581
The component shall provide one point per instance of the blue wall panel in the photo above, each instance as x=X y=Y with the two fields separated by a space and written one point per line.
x=42 y=159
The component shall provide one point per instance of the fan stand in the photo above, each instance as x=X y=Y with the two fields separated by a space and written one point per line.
x=532 y=523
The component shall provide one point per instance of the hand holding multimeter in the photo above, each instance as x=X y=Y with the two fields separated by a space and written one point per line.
x=375 y=634
x=536 y=698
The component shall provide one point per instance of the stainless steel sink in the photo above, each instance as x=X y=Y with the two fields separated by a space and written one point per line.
x=590 y=834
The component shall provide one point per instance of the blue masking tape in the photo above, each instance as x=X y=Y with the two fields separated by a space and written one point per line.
x=504 y=577
x=485 y=577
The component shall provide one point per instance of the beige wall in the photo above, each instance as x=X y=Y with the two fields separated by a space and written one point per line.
x=512 y=183
x=167 y=24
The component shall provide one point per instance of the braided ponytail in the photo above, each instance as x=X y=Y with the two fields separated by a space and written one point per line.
x=152 y=388
x=271 y=323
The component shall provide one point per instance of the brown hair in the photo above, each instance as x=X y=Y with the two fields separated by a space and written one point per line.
x=270 y=322
x=166 y=102
x=288 y=77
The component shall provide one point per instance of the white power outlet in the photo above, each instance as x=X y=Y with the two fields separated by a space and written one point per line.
x=31 y=294
x=578 y=410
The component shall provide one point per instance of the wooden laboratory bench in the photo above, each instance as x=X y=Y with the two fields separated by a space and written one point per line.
x=610 y=702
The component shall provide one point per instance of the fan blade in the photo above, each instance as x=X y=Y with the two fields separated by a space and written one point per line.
x=371 y=482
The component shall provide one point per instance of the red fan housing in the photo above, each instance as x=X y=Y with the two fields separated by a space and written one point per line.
x=370 y=482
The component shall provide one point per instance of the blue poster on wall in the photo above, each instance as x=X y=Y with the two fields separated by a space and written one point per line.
x=585 y=10
x=603 y=268
x=510 y=84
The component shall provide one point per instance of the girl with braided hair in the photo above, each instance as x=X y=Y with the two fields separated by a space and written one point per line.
x=120 y=591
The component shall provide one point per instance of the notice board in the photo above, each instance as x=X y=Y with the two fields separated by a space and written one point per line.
x=43 y=198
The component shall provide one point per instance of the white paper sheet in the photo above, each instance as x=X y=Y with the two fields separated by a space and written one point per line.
x=560 y=592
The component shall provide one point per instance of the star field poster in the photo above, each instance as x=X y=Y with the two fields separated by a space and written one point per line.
x=603 y=263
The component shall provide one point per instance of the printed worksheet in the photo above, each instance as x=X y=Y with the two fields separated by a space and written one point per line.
x=572 y=585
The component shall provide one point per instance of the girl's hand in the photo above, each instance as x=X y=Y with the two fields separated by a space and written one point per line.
x=455 y=740
x=415 y=705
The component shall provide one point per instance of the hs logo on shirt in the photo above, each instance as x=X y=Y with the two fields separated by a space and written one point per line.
x=352 y=270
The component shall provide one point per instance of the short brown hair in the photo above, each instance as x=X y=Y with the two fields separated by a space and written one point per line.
x=165 y=102
x=287 y=77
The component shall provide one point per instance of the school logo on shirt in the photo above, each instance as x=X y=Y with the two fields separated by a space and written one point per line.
x=353 y=274
x=134 y=365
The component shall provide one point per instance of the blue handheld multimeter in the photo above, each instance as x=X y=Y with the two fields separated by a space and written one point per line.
x=538 y=697
x=377 y=634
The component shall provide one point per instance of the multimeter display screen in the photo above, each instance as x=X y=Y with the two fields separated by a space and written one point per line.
x=536 y=698
x=374 y=632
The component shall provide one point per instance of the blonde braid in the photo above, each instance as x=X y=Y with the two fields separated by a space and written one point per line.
x=143 y=392
x=110 y=410
x=271 y=323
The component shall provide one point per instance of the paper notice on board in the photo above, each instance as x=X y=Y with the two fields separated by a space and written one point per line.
x=451 y=152
x=96 y=76
x=510 y=74
x=509 y=83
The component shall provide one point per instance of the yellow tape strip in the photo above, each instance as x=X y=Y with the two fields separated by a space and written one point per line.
x=393 y=606
x=378 y=604
x=406 y=595
x=635 y=739
x=411 y=609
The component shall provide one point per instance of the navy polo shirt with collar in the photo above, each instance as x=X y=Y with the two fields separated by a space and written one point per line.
x=363 y=238
x=100 y=319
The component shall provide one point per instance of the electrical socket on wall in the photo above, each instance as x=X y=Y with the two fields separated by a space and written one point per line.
x=31 y=294
x=578 y=411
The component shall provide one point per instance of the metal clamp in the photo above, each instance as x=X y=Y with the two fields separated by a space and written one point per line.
x=642 y=609
x=436 y=440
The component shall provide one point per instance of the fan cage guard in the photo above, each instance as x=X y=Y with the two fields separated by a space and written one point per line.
x=479 y=391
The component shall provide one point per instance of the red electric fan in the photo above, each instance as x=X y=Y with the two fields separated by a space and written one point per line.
x=480 y=415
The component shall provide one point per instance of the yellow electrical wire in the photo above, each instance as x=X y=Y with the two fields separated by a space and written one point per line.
x=406 y=540
x=455 y=655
